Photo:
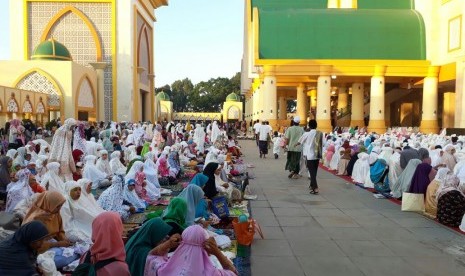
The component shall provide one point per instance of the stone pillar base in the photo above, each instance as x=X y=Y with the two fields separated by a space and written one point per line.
x=324 y=125
x=378 y=126
x=429 y=126
x=359 y=123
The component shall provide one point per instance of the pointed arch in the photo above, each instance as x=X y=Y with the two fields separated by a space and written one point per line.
x=84 y=18
x=85 y=78
x=20 y=83
x=143 y=32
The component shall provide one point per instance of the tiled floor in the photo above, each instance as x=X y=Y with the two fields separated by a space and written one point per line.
x=343 y=231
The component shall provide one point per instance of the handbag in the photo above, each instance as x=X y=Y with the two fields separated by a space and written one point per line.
x=220 y=206
x=413 y=202
x=245 y=231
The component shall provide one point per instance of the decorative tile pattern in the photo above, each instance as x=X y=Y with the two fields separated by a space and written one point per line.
x=27 y=107
x=40 y=83
x=12 y=106
x=85 y=98
x=40 y=108
x=233 y=112
x=74 y=34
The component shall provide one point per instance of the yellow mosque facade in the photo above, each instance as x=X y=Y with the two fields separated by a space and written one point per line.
x=86 y=59
x=381 y=63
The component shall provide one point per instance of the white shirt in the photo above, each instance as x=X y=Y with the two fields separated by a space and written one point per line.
x=307 y=140
x=263 y=131
x=256 y=126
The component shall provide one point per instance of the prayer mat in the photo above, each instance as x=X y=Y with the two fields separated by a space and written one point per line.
x=135 y=218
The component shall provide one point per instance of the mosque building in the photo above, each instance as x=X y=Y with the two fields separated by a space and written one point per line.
x=350 y=62
x=86 y=59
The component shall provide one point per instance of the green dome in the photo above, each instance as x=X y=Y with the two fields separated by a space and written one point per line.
x=162 y=96
x=51 y=50
x=233 y=97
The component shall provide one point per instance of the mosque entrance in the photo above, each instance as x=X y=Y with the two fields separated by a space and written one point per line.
x=143 y=105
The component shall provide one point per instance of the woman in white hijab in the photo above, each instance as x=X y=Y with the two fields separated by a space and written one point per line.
x=431 y=202
x=152 y=191
x=334 y=163
x=30 y=149
x=199 y=138
x=41 y=166
x=103 y=164
x=12 y=153
x=361 y=168
x=394 y=168
x=151 y=169
x=19 y=190
x=215 y=132
x=99 y=179
x=21 y=153
x=77 y=220
x=51 y=180
x=115 y=162
x=448 y=157
x=405 y=179
x=61 y=149
x=88 y=199
x=131 y=196
x=92 y=147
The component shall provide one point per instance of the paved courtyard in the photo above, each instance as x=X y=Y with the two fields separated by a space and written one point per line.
x=342 y=231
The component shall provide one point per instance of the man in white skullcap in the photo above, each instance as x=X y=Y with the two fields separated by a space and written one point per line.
x=292 y=135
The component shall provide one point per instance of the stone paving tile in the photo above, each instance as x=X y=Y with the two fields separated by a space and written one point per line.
x=308 y=234
x=384 y=266
x=275 y=266
x=329 y=266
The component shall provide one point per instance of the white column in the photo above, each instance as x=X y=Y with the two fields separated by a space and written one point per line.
x=100 y=67
x=358 y=105
x=429 y=117
x=377 y=120
x=271 y=101
x=323 y=103
x=302 y=104
x=282 y=108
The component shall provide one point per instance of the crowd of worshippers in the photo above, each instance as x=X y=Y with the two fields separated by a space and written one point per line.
x=404 y=161
x=52 y=188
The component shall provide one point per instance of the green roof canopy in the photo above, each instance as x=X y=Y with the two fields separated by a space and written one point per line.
x=51 y=50
x=381 y=29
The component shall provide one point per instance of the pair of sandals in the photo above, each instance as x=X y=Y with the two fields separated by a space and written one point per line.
x=313 y=191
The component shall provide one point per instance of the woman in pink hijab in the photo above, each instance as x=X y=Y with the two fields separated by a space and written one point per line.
x=329 y=154
x=107 y=232
x=190 y=258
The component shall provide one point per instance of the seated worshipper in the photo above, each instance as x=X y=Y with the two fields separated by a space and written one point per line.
x=226 y=188
x=30 y=149
x=20 y=158
x=431 y=203
x=405 y=179
x=77 y=220
x=99 y=179
x=131 y=196
x=146 y=191
x=406 y=155
x=345 y=158
x=143 y=242
x=18 y=253
x=334 y=163
x=175 y=215
x=329 y=154
x=18 y=190
x=12 y=153
x=451 y=201
x=164 y=172
x=103 y=164
x=115 y=162
x=423 y=175
x=151 y=169
x=190 y=258
x=46 y=209
x=379 y=175
x=353 y=159
x=192 y=194
x=174 y=165
x=5 y=165
x=112 y=198
x=36 y=188
x=51 y=180
x=447 y=157
x=233 y=148
x=88 y=199
x=107 y=231
x=210 y=187
x=361 y=168
x=201 y=210
x=78 y=173
x=394 y=168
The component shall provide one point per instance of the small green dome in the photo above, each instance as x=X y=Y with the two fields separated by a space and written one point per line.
x=233 y=97
x=162 y=96
x=51 y=50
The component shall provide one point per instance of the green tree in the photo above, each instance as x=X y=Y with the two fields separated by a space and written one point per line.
x=181 y=89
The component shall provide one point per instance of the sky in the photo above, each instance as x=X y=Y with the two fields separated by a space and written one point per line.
x=196 y=39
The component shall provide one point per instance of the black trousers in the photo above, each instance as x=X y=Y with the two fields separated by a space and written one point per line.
x=312 y=166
